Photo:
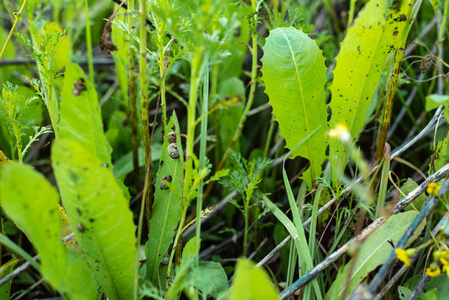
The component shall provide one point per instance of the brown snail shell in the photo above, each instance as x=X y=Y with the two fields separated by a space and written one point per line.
x=162 y=184
x=171 y=137
x=173 y=151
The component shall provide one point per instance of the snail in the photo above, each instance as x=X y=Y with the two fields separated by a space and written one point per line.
x=80 y=227
x=162 y=184
x=171 y=137
x=173 y=151
x=165 y=261
x=79 y=87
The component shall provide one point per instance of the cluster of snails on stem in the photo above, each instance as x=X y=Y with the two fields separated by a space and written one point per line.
x=173 y=152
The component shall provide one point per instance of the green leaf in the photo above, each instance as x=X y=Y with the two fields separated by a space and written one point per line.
x=99 y=214
x=374 y=251
x=434 y=100
x=209 y=277
x=81 y=116
x=28 y=199
x=251 y=282
x=188 y=258
x=376 y=33
x=406 y=188
x=6 y=269
x=294 y=74
x=166 y=206
x=299 y=238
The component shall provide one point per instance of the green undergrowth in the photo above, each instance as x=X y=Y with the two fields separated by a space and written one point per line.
x=160 y=149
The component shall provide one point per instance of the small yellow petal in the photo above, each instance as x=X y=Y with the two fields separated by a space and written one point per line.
x=403 y=256
x=436 y=191
x=431 y=187
x=446 y=269
x=433 y=272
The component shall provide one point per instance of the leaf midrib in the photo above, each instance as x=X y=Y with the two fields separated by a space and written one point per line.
x=306 y=119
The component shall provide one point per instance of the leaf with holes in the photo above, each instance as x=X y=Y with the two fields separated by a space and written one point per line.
x=81 y=115
x=99 y=214
x=377 y=32
x=38 y=204
x=166 y=206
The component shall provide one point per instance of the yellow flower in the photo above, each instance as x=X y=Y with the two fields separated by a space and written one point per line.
x=446 y=269
x=404 y=255
x=433 y=189
x=444 y=257
x=340 y=132
x=433 y=270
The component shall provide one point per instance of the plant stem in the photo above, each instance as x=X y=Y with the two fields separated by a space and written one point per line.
x=193 y=94
x=16 y=21
x=389 y=105
x=252 y=91
x=145 y=104
x=162 y=71
x=246 y=217
x=133 y=103
x=89 y=43
x=202 y=158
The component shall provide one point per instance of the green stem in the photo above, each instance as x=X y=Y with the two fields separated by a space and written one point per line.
x=252 y=90
x=245 y=234
x=389 y=104
x=89 y=43
x=202 y=158
x=145 y=104
x=193 y=95
x=16 y=21
x=133 y=103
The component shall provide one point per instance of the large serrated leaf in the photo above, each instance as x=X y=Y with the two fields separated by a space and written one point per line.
x=166 y=206
x=374 y=252
x=378 y=31
x=32 y=203
x=81 y=115
x=294 y=74
x=99 y=214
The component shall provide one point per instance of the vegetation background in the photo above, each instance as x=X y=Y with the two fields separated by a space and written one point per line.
x=303 y=135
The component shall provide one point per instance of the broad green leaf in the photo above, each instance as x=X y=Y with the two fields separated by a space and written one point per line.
x=251 y=282
x=378 y=31
x=81 y=116
x=209 y=277
x=374 y=251
x=404 y=292
x=294 y=74
x=62 y=51
x=29 y=200
x=166 y=206
x=406 y=188
x=99 y=214
x=434 y=100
